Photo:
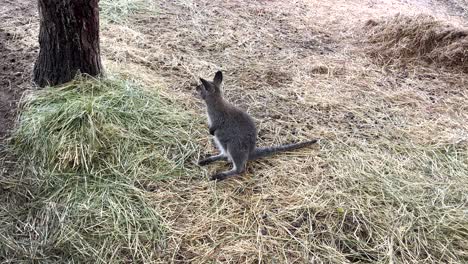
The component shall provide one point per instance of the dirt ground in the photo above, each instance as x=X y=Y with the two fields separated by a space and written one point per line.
x=17 y=54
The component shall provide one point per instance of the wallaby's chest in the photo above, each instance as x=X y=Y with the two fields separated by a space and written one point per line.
x=219 y=146
x=210 y=122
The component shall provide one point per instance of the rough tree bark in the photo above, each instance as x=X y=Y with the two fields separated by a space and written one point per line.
x=68 y=40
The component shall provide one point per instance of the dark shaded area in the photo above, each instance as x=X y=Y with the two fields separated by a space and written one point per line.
x=15 y=74
x=16 y=60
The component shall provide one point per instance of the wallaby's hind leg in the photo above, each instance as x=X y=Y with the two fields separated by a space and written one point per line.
x=239 y=160
x=211 y=159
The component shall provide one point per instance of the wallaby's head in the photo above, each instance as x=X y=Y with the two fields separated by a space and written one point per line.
x=210 y=90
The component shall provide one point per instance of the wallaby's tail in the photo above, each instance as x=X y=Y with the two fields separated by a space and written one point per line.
x=267 y=151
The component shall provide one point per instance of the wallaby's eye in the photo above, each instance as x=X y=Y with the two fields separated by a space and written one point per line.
x=200 y=88
x=209 y=89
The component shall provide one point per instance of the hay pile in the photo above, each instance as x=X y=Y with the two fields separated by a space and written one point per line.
x=412 y=40
x=89 y=149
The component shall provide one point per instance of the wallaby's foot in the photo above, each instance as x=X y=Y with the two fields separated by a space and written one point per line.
x=204 y=162
x=226 y=174
x=239 y=160
x=211 y=159
x=218 y=177
x=222 y=176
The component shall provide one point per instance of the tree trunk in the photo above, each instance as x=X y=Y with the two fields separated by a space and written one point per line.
x=68 y=40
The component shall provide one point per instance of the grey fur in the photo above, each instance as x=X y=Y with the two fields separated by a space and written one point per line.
x=234 y=131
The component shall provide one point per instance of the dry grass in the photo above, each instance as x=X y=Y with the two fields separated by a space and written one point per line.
x=413 y=40
x=388 y=182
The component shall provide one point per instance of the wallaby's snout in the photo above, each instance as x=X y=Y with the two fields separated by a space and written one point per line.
x=199 y=91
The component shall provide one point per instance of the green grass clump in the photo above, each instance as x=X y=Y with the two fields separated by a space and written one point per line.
x=104 y=126
x=88 y=148
x=117 y=11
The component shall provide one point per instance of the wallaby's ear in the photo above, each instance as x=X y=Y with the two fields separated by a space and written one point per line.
x=218 y=79
x=205 y=83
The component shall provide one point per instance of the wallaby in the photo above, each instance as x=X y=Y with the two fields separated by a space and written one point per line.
x=234 y=131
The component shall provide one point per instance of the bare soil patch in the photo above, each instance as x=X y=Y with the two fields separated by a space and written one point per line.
x=17 y=54
x=15 y=65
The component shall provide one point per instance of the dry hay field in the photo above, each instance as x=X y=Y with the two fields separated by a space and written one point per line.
x=382 y=83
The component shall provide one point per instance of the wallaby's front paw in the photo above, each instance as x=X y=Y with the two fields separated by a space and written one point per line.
x=212 y=131
x=218 y=177
x=203 y=162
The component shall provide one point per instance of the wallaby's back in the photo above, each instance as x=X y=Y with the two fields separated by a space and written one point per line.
x=234 y=131
x=233 y=127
